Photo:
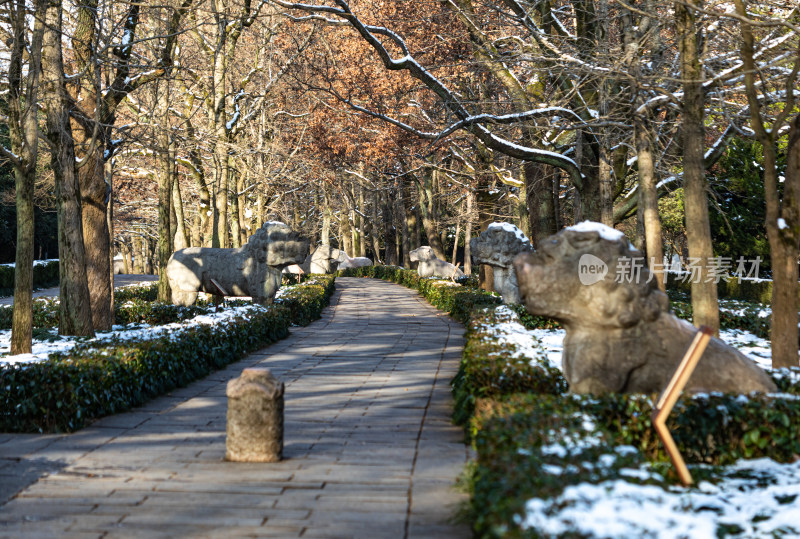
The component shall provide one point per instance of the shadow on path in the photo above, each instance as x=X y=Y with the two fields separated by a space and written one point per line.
x=369 y=447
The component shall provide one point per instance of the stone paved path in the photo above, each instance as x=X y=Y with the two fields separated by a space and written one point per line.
x=369 y=448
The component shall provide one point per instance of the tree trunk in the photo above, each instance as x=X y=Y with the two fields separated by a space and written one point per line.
x=355 y=224
x=648 y=196
x=412 y=218
x=605 y=172
x=468 y=233
x=96 y=238
x=455 y=242
x=361 y=223
x=126 y=257
x=235 y=209
x=22 y=322
x=782 y=216
x=374 y=229
x=326 y=219
x=487 y=203
x=783 y=233
x=556 y=187
x=429 y=217
x=147 y=256
x=22 y=104
x=75 y=316
x=90 y=145
x=389 y=234
x=539 y=188
x=345 y=234
x=403 y=216
x=705 y=306
x=136 y=255
x=165 y=194
x=220 y=226
x=522 y=208
x=181 y=240
x=784 y=241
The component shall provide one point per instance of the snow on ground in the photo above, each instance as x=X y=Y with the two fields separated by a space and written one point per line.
x=553 y=342
x=756 y=348
x=526 y=343
x=133 y=332
x=35 y=262
x=744 y=308
x=755 y=498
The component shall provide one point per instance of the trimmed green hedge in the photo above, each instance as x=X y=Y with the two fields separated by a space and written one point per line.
x=146 y=292
x=535 y=445
x=306 y=301
x=490 y=370
x=65 y=392
x=44 y=276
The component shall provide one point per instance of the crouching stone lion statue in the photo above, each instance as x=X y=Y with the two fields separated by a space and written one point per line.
x=430 y=266
x=621 y=336
x=253 y=270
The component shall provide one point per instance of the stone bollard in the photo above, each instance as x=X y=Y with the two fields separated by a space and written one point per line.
x=255 y=417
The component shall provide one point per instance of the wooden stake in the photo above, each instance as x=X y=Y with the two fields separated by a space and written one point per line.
x=670 y=396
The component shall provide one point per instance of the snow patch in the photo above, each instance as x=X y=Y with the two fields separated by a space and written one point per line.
x=606 y=232
x=508 y=227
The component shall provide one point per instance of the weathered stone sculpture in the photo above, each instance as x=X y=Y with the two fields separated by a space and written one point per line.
x=345 y=262
x=497 y=246
x=255 y=417
x=621 y=336
x=253 y=270
x=430 y=266
x=324 y=259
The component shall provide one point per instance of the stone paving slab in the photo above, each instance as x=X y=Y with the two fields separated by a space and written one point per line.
x=369 y=448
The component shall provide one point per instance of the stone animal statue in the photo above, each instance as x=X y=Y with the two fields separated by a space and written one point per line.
x=324 y=259
x=253 y=270
x=621 y=335
x=430 y=266
x=497 y=246
x=345 y=262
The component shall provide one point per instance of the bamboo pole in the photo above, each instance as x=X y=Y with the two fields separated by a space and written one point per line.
x=670 y=396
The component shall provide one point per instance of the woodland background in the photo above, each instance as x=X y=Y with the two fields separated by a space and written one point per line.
x=140 y=128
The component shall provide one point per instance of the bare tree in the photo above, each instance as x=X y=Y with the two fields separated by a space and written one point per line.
x=763 y=79
x=705 y=306
x=23 y=101
x=75 y=316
